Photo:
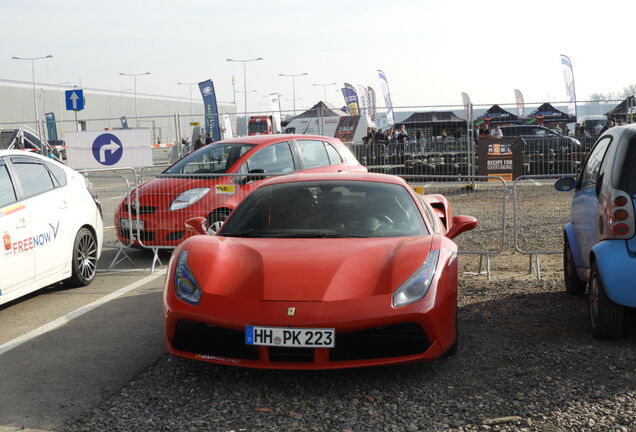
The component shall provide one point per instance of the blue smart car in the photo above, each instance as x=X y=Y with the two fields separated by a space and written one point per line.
x=599 y=248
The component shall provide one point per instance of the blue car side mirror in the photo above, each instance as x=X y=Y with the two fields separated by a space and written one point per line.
x=565 y=184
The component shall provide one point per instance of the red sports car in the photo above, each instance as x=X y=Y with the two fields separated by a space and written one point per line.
x=211 y=181
x=319 y=272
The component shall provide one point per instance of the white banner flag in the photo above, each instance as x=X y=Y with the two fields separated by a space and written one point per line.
x=520 y=104
x=387 y=98
x=568 y=74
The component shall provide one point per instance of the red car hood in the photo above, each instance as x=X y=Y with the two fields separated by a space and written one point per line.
x=304 y=269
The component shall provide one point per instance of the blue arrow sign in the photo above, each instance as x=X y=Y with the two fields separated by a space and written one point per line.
x=107 y=149
x=74 y=100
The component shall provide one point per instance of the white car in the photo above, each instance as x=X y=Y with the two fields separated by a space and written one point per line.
x=51 y=226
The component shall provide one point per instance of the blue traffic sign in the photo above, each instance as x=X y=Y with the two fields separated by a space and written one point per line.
x=74 y=100
x=107 y=149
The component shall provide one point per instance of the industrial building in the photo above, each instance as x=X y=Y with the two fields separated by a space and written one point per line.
x=169 y=118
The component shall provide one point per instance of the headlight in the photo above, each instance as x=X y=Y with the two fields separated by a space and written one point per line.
x=186 y=287
x=188 y=198
x=417 y=285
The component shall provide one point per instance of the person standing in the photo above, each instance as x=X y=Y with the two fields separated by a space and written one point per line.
x=208 y=139
x=496 y=132
x=198 y=143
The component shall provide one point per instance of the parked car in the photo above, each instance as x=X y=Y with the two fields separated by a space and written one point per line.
x=539 y=138
x=319 y=271
x=212 y=181
x=50 y=225
x=599 y=244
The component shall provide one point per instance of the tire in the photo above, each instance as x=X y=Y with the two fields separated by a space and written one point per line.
x=216 y=219
x=84 y=264
x=573 y=285
x=606 y=317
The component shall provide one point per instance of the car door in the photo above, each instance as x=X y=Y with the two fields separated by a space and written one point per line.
x=274 y=159
x=51 y=217
x=320 y=156
x=17 y=259
x=583 y=214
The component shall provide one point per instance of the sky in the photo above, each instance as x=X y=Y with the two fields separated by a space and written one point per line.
x=430 y=50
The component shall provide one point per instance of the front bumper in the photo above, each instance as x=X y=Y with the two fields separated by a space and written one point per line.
x=369 y=332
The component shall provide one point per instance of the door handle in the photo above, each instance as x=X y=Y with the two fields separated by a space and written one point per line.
x=63 y=204
x=21 y=223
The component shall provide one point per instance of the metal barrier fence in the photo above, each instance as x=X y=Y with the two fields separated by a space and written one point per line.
x=540 y=214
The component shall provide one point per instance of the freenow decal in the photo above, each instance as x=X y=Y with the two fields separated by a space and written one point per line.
x=41 y=239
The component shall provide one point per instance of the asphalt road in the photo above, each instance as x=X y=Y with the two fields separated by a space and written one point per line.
x=87 y=354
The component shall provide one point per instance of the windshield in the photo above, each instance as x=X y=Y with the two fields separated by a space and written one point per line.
x=327 y=209
x=211 y=159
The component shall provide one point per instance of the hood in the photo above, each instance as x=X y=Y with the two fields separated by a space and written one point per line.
x=304 y=269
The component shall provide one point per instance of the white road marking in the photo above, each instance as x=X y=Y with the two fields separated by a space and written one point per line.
x=59 y=322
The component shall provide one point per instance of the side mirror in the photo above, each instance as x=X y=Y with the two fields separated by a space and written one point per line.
x=461 y=224
x=565 y=184
x=197 y=225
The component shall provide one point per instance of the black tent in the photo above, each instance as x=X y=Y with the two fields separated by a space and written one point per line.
x=434 y=122
x=321 y=109
x=546 y=113
x=624 y=109
x=496 y=116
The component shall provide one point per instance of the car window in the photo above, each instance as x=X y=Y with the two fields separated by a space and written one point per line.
x=428 y=213
x=593 y=163
x=32 y=176
x=274 y=159
x=323 y=209
x=7 y=192
x=211 y=159
x=334 y=156
x=59 y=174
x=313 y=153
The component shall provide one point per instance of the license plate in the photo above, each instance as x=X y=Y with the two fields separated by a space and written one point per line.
x=134 y=224
x=290 y=337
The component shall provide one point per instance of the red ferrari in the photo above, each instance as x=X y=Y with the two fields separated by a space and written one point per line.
x=212 y=181
x=319 y=272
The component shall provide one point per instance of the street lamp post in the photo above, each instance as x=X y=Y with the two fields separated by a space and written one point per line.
x=189 y=84
x=293 y=77
x=35 y=98
x=324 y=89
x=135 y=75
x=244 y=61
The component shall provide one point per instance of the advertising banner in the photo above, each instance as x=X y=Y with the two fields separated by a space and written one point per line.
x=346 y=128
x=568 y=74
x=51 y=127
x=211 y=111
x=227 y=127
x=363 y=99
x=387 y=98
x=500 y=157
x=274 y=101
x=129 y=148
x=520 y=104
x=351 y=99
x=372 y=102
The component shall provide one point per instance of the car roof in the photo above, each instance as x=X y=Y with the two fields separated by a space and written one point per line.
x=272 y=138
x=21 y=153
x=336 y=176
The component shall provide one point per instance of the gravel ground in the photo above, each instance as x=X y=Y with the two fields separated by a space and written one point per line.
x=526 y=362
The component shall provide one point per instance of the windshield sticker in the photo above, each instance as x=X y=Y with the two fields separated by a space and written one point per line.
x=224 y=189
x=11 y=209
x=41 y=239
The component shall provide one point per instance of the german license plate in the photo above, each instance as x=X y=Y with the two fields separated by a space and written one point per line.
x=290 y=337
x=132 y=224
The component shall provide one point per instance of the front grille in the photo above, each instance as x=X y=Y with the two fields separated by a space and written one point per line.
x=279 y=354
x=143 y=235
x=381 y=342
x=141 y=210
x=200 y=338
